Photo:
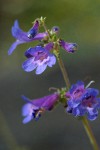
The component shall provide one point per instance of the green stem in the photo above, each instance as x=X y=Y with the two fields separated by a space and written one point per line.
x=84 y=120
x=64 y=72
x=45 y=28
x=90 y=133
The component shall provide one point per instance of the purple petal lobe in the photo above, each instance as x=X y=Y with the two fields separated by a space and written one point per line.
x=40 y=36
x=92 y=117
x=13 y=46
x=15 y=29
x=76 y=112
x=50 y=101
x=52 y=61
x=49 y=46
x=27 y=119
x=26 y=99
x=17 y=32
x=35 y=51
x=29 y=65
x=26 y=109
x=41 y=68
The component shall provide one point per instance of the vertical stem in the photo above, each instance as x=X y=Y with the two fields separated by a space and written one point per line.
x=90 y=133
x=64 y=72
x=45 y=28
x=84 y=120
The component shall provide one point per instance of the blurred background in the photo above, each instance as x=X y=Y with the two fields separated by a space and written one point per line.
x=79 y=22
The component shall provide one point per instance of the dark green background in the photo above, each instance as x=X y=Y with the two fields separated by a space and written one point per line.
x=79 y=21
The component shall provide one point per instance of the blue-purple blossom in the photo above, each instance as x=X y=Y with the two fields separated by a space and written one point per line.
x=23 y=37
x=83 y=101
x=55 y=29
x=69 y=47
x=34 y=108
x=39 y=58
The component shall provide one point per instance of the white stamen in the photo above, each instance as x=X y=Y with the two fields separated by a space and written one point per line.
x=89 y=83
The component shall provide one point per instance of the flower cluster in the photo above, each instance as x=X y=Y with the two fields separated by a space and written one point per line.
x=83 y=101
x=78 y=100
x=43 y=54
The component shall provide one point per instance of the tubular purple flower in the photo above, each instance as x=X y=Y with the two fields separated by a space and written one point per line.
x=83 y=101
x=39 y=58
x=22 y=37
x=34 y=108
x=69 y=47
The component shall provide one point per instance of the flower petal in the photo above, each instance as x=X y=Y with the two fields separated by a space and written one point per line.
x=26 y=109
x=50 y=101
x=49 y=46
x=18 y=33
x=33 y=51
x=15 y=29
x=40 y=36
x=27 y=119
x=73 y=104
x=29 y=65
x=13 y=46
x=76 y=112
x=52 y=61
x=92 y=116
x=41 y=68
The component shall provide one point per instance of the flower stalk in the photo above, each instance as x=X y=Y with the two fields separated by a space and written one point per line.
x=64 y=72
x=45 y=27
x=90 y=133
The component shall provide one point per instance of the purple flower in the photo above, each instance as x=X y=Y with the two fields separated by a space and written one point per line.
x=55 y=29
x=39 y=58
x=69 y=47
x=24 y=37
x=83 y=101
x=34 y=108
